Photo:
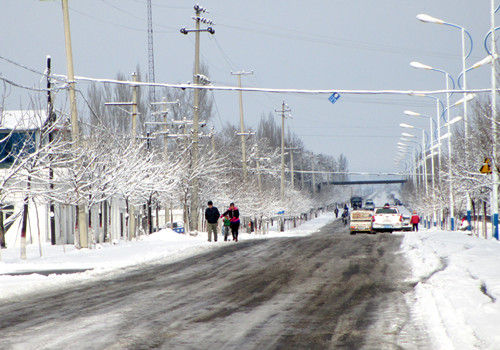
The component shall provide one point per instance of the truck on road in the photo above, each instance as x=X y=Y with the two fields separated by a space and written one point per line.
x=356 y=202
x=361 y=221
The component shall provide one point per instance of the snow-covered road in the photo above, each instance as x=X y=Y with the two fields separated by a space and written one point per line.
x=324 y=290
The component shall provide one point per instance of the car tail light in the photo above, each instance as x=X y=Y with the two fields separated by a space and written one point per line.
x=373 y=218
x=401 y=218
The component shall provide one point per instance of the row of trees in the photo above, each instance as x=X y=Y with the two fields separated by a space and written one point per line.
x=467 y=181
x=155 y=170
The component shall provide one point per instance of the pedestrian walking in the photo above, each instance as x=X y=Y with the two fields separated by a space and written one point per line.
x=415 y=219
x=226 y=226
x=234 y=220
x=212 y=216
x=336 y=211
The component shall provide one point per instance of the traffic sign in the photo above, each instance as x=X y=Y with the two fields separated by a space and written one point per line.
x=334 y=97
x=486 y=168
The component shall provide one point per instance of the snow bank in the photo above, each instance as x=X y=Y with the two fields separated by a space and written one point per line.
x=108 y=259
x=458 y=290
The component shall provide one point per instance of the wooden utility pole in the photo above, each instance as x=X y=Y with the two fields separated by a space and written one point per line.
x=51 y=120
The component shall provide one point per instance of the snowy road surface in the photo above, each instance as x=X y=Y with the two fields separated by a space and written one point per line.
x=326 y=290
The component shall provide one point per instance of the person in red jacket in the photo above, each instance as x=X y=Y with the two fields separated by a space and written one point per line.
x=415 y=219
x=234 y=217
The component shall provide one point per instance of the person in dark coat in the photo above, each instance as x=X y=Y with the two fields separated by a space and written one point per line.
x=336 y=210
x=212 y=216
x=234 y=218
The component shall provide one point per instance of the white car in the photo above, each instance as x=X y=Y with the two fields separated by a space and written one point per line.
x=369 y=205
x=387 y=219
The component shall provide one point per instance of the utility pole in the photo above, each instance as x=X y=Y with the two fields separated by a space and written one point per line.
x=133 y=132
x=132 y=223
x=242 y=132
x=313 y=175
x=51 y=121
x=75 y=132
x=151 y=59
x=284 y=109
x=196 y=105
x=292 y=180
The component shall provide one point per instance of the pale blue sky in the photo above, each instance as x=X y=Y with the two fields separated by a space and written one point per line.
x=351 y=44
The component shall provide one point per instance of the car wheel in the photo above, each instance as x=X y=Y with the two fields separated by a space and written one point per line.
x=353 y=232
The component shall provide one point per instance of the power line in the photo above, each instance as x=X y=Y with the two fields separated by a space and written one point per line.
x=223 y=53
x=13 y=83
x=20 y=65
x=209 y=87
x=347 y=43
x=349 y=136
x=116 y=24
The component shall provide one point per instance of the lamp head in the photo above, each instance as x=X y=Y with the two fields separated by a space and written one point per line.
x=407 y=126
x=419 y=65
x=429 y=19
x=413 y=114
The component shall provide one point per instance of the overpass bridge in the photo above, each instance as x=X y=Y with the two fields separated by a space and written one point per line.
x=360 y=182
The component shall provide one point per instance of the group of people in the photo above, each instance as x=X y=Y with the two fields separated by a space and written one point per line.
x=230 y=219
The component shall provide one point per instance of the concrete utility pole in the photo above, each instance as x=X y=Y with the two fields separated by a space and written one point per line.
x=133 y=134
x=242 y=132
x=196 y=105
x=313 y=175
x=284 y=109
x=75 y=132
x=132 y=223
x=292 y=180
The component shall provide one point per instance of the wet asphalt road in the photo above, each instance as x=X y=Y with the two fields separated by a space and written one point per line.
x=325 y=291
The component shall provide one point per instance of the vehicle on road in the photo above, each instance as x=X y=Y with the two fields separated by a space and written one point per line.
x=369 y=205
x=356 y=202
x=388 y=219
x=406 y=225
x=361 y=221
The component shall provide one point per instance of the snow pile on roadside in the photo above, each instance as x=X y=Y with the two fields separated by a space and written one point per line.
x=107 y=259
x=458 y=290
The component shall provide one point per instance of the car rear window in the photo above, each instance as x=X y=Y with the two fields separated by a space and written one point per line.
x=386 y=211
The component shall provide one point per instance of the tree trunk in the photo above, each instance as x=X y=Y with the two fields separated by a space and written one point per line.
x=105 y=221
x=24 y=227
x=485 y=228
x=2 y=230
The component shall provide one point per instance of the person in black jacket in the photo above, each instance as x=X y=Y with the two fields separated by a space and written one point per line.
x=234 y=217
x=212 y=216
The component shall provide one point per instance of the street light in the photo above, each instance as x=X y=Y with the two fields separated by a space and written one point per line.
x=424 y=162
x=464 y=100
x=453 y=121
x=429 y=19
x=433 y=184
x=447 y=79
x=408 y=126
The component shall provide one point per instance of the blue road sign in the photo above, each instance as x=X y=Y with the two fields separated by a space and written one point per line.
x=334 y=97
x=281 y=212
